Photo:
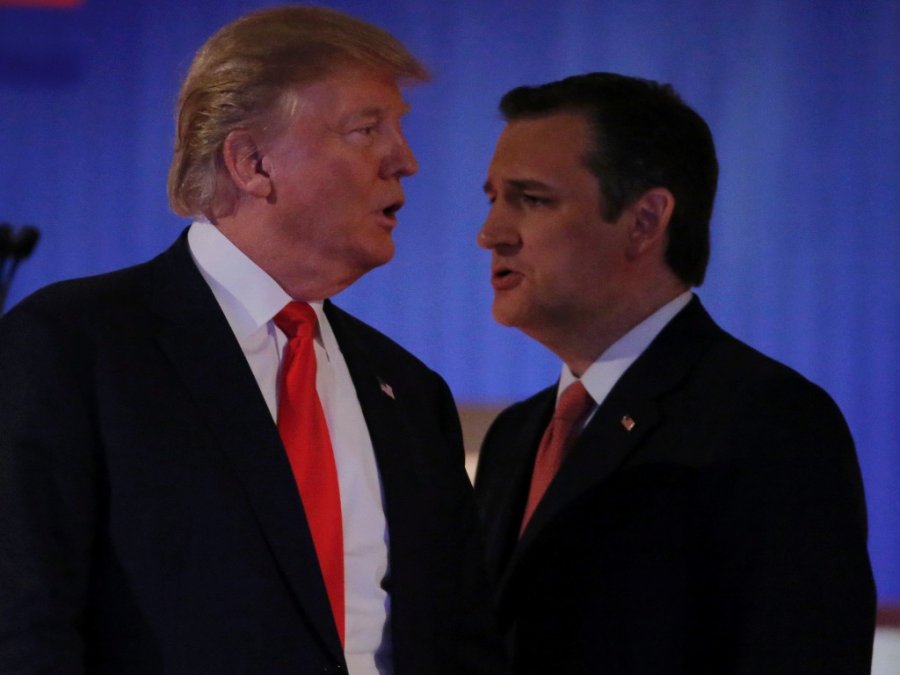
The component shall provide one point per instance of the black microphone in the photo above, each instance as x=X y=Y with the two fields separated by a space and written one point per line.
x=6 y=241
x=24 y=242
x=14 y=248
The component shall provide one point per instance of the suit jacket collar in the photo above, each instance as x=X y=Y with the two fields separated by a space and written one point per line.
x=381 y=407
x=610 y=438
x=504 y=501
x=198 y=341
x=404 y=472
x=381 y=398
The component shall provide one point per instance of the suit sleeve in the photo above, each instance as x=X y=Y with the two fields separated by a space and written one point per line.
x=47 y=505
x=793 y=590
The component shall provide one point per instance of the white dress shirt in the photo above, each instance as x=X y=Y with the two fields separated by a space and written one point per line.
x=250 y=299
x=602 y=375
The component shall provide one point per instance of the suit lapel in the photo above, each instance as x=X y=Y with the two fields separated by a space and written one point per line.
x=505 y=500
x=628 y=416
x=405 y=488
x=197 y=339
x=599 y=451
x=380 y=403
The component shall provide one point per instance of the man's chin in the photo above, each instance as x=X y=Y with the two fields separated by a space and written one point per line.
x=505 y=315
x=381 y=255
x=374 y=256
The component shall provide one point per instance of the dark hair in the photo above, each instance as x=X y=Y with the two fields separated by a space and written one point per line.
x=645 y=136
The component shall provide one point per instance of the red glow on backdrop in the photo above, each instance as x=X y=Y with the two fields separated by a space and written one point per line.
x=41 y=3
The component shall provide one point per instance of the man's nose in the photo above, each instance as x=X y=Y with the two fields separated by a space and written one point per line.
x=496 y=231
x=400 y=162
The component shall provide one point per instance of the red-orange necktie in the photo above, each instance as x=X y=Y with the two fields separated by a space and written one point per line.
x=304 y=432
x=574 y=405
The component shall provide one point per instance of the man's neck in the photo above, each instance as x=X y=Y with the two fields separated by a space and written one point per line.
x=578 y=347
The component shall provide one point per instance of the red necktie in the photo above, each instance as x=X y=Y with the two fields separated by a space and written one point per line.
x=574 y=405
x=304 y=432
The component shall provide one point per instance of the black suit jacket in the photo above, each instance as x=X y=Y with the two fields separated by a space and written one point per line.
x=723 y=533
x=149 y=520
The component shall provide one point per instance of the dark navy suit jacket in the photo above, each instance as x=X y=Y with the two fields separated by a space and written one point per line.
x=149 y=520
x=722 y=532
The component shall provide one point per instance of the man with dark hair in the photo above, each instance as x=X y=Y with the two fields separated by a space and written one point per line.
x=677 y=502
x=205 y=465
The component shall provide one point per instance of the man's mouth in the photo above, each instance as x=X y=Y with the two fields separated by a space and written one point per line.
x=389 y=214
x=390 y=210
x=504 y=278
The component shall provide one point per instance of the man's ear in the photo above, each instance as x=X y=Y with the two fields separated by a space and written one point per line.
x=652 y=212
x=244 y=161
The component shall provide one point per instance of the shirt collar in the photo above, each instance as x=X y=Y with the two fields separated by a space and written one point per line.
x=249 y=297
x=602 y=375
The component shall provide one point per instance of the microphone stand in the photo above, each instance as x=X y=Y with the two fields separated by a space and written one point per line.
x=14 y=248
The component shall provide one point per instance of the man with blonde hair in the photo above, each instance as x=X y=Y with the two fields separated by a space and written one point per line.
x=206 y=466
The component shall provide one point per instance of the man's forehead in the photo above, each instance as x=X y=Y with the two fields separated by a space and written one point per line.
x=565 y=127
x=363 y=90
x=538 y=146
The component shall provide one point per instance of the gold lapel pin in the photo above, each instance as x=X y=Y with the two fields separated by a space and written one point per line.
x=628 y=422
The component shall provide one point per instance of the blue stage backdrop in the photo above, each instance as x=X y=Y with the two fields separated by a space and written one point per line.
x=803 y=99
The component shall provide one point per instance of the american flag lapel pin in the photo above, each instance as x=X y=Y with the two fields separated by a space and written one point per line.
x=386 y=389
x=628 y=422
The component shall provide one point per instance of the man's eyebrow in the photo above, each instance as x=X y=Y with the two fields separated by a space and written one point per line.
x=371 y=111
x=519 y=184
x=378 y=112
x=527 y=184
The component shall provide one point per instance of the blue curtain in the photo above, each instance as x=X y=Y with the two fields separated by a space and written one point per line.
x=803 y=98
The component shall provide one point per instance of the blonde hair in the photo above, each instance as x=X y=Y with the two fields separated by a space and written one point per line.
x=242 y=77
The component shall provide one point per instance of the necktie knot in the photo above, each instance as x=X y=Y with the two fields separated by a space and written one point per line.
x=574 y=403
x=297 y=319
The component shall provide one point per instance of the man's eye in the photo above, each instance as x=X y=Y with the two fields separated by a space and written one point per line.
x=365 y=131
x=532 y=200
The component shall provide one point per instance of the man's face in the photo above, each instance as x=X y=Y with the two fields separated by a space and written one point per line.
x=335 y=173
x=557 y=266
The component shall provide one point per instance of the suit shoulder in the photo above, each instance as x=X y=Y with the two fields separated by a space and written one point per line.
x=719 y=361
x=82 y=299
x=749 y=372
x=755 y=405
x=370 y=339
